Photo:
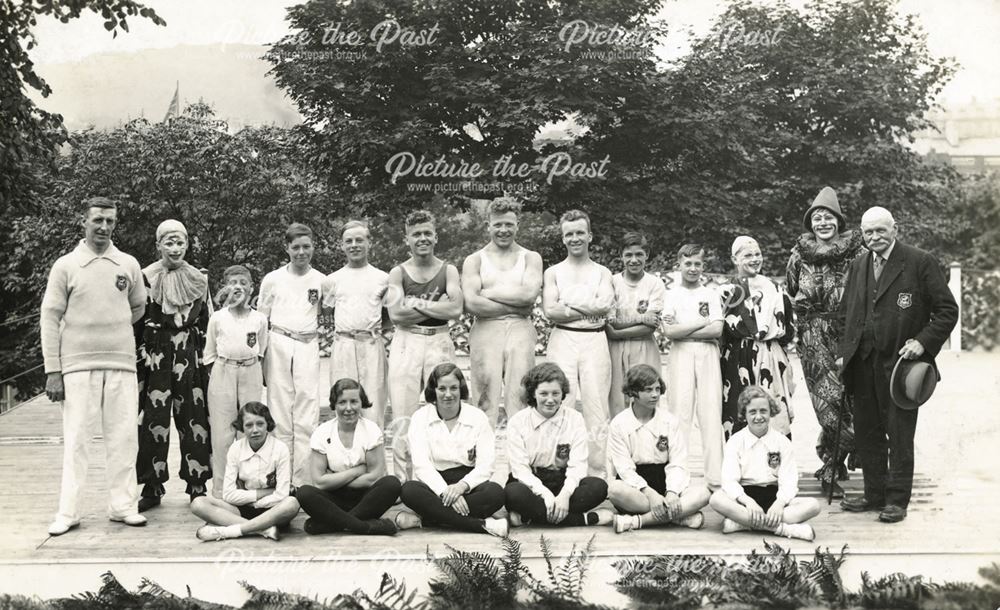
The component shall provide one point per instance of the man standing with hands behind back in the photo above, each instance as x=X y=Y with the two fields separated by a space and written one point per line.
x=897 y=305
x=94 y=295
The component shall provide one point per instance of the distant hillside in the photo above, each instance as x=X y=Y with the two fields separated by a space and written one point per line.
x=105 y=90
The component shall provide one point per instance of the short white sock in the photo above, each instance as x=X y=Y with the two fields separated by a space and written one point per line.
x=232 y=531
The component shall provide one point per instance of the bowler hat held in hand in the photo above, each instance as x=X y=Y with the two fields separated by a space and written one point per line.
x=912 y=383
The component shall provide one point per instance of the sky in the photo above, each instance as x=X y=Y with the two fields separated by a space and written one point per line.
x=968 y=30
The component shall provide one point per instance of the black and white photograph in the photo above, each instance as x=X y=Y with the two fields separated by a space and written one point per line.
x=540 y=304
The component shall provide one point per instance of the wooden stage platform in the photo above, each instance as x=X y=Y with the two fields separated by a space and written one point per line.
x=951 y=529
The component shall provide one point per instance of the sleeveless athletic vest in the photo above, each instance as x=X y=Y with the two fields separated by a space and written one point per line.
x=431 y=290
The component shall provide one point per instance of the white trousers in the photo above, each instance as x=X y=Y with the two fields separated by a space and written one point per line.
x=293 y=398
x=585 y=359
x=229 y=387
x=501 y=351
x=364 y=361
x=624 y=355
x=412 y=357
x=694 y=385
x=111 y=397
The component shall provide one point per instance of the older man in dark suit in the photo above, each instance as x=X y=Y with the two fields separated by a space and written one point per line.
x=896 y=305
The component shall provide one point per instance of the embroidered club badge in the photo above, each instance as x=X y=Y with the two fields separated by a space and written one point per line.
x=773 y=459
x=703 y=309
x=251 y=339
x=313 y=296
x=121 y=282
x=642 y=306
x=904 y=300
x=662 y=443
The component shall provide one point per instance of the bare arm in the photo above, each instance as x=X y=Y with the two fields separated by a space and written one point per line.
x=472 y=286
x=375 y=463
x=553 y=309
x=449 y=307
x=524 y=294
x=323 y=478
x=602 y=302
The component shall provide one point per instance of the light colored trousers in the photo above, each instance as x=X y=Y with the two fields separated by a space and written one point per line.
x=501 y=352
x=585 y=359
x=293 y=398
x=412 y=357
x=229 y=387
x=624 y=355
x=364 y=361
x=694 y=385
x=111 y=397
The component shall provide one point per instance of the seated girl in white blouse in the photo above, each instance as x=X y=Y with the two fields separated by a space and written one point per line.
x=351 y=490
x=759 y=476
x=648 y=480
x=255 y=489
x=547 y=450
x=452 y=449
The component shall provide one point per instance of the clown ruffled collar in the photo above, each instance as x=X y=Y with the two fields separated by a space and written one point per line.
x=175 y=290
x=815 y=252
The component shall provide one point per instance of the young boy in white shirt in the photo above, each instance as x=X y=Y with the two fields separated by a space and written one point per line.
x=290 y=297
x=235 y=344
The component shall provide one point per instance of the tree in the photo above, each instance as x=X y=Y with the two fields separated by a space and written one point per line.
x=235 y=193
x=474 y=81
x=30 y=134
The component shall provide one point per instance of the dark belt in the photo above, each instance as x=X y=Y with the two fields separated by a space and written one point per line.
x=580 y=330
x=245 y=362
x=428 y=331
x=357 y=335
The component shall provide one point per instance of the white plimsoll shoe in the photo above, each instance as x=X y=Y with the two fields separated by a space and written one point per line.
x=210 y=533
x=497 y=527
x=271 y=532
x=694 y=521
x=625 y=523
x=729 y=526
x=135 y=520
x=405 y=520
x=60 y=526
x=802 y=531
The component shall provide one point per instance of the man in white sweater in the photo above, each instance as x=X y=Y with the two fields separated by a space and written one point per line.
x=94 y=295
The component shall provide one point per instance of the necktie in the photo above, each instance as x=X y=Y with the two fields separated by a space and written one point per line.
x=879 y=264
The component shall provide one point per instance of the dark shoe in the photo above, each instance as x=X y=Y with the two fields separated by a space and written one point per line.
x=892 y=514
x=381 y=527
x=859 y=504
x=148 y=502
x=838 y=491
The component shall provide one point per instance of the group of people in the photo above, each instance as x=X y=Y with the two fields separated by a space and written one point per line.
x=727 y=366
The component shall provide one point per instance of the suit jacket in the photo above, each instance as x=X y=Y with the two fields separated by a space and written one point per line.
x=912 y=301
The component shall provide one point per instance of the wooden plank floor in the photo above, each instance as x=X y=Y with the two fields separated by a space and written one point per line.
x=957 y=489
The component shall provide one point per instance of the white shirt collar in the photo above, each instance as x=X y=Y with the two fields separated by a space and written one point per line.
x=265 y=450
x=885 y=255
x=84 y=255
x=537 y=419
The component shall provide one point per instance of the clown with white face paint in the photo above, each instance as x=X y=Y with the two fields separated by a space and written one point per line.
x=172 y=374
x=815 y=274
x=757 y=320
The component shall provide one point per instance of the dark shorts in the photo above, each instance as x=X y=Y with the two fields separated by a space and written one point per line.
x=551 y=478
x=762 y=494
x=249 y=511
x=655 y=476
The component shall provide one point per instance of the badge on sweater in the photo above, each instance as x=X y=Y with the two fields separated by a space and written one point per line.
x=121 y=282
x=904 y=300
x=252 y=339
x=562 y=454
x=773 y=459
x=472 y=454
x=313 y=296
x=662 y=443
x=642 y=306
x=703 y=309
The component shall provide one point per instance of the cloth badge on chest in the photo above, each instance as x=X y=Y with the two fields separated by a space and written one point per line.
x=251 y=339
x=703 y=309
x=904 y=300
x=272 y=480
x=562 y=451
x=662 y=443
x=642 y=306
x=472 y=455
x=121 y=282
x=313 y=296
x=773 y=459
